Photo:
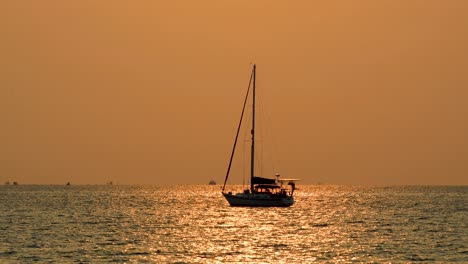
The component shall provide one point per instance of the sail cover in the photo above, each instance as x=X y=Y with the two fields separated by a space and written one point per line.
x=261 y=180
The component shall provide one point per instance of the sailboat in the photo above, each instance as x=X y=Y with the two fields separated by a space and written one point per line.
x=263 y=192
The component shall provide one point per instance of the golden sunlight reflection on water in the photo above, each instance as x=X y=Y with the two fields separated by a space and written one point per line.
x=327 y=223
x=193 y=224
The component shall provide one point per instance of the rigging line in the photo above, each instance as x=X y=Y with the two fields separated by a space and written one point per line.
x=264 y=135
x=246 y=146
x=238 y=129
x=246 y=141
x=269 y=146
x=246 y=130
x=262 y=142
x=243 y=151
x=244 y=163
x=270 y=136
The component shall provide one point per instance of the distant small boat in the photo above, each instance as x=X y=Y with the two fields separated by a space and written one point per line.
x=68 y=183
x=15 y=183
x=264 y=192
x=212 y=182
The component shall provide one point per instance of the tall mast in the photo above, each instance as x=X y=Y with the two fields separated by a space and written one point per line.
x=252 y=158
x=238 y=130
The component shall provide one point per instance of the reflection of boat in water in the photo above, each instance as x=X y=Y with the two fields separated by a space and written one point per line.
x=212 y=182
x=263 y=191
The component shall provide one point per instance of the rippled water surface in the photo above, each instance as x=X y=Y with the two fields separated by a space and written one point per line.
x=193 y=224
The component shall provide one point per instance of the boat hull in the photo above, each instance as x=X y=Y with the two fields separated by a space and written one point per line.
x=258 y=200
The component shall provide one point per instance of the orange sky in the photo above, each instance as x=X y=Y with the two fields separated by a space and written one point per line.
x=150 y=92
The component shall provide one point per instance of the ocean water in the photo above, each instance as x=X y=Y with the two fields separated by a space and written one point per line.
x=194 y=224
